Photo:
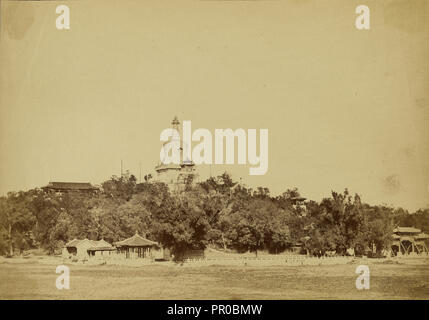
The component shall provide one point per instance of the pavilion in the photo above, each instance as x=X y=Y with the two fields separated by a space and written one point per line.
x=137 y=247
x=408 y=240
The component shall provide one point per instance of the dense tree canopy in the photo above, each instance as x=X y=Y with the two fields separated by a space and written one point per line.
x=218 y=212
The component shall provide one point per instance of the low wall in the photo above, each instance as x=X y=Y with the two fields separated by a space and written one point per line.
x=273 y=260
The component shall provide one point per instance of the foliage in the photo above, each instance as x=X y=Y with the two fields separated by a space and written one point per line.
x=219 y=211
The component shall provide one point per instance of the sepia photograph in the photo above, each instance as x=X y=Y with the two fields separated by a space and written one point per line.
x=214 y=150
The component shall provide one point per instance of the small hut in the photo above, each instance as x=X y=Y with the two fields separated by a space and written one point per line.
x=138 y=247
x=83 y=249
x=101 y=249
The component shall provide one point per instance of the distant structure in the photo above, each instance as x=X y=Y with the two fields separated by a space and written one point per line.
x=176 y=176
x=137 y=247
x=133 y=248
x=64 y=187
x=409 y=241
x=83 y=249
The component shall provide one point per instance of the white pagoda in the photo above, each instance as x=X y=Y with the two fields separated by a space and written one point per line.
x=176 y=176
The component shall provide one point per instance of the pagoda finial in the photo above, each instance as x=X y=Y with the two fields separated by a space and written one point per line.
x=175 y=121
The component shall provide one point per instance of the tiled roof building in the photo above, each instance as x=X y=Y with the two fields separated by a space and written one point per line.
x=408 y=240
x=70 y=186
x=136 y=247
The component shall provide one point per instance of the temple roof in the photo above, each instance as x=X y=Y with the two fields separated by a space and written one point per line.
x=100 y=248
x=93 y=243
x=406 y=230
x=171 y=166
x=70 y=186
x=422 y=236
x=73 y=243
x=136 y=241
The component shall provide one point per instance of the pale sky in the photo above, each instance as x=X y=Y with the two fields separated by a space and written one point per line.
x=344 y=108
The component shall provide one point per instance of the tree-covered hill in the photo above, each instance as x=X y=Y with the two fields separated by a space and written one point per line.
x=218 y=212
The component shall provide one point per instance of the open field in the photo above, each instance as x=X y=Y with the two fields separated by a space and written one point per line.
x=32 y=279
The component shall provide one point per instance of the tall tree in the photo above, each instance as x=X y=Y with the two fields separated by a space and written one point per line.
x=16 y=219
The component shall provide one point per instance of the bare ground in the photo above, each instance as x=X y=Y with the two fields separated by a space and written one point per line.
x=34 y=279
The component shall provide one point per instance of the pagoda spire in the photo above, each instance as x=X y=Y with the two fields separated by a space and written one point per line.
x=175 y=123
